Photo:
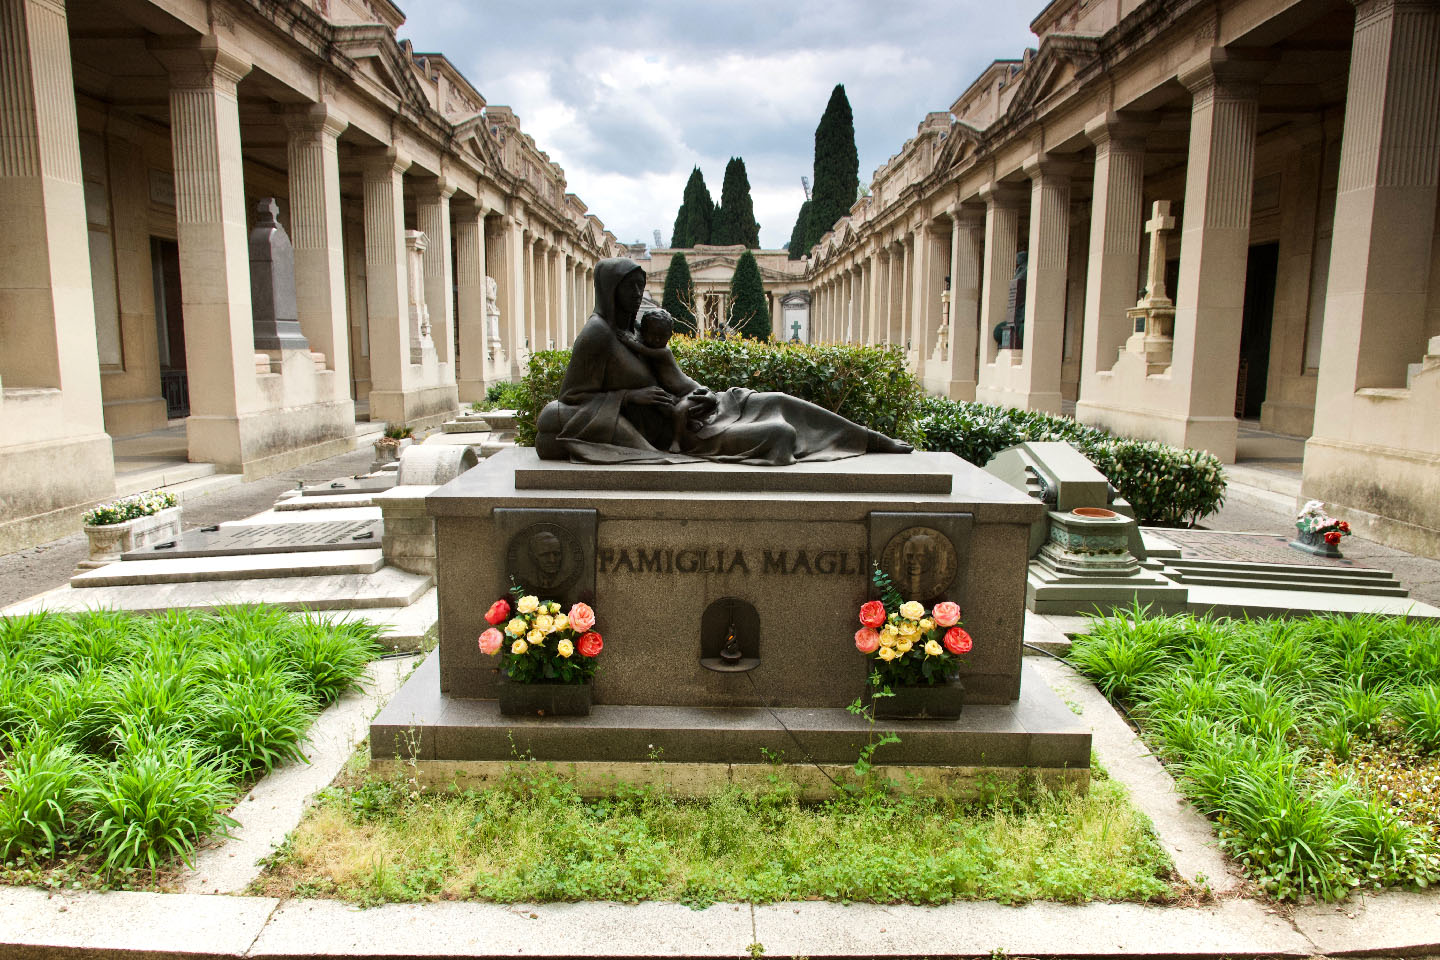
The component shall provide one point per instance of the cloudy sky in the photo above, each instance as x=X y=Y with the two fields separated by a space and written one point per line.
x=629 y=100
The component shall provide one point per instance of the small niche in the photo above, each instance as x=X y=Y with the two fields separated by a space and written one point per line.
x=730 y=636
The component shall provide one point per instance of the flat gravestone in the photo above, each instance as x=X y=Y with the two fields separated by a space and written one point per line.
x=266 y=538
x=350 y=485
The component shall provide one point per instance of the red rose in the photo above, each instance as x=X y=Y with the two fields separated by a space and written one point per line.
x=872 y=614
x=1332 y=536
x=590 y=644
x=957 y=641
x=498 y=612
x=1344 y=527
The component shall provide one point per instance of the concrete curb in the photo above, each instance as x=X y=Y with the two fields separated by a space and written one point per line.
x=37 y=924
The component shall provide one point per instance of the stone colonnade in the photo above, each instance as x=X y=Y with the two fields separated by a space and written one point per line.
x=459 y=271
x=933 y=273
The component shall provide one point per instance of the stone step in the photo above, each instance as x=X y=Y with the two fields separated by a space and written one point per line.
x=293 y=500
x=401 y=628
x=501 y=419
x=466 y=425
x=1308 y=584
x=1282 y=570
x=1233 y=601
x=252 y=567
x=386 y=587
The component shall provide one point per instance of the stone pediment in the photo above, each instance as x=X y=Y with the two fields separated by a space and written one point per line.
x=1053 y=69
x=379 y=59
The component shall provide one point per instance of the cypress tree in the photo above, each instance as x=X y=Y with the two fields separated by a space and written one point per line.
x=796 y=246
x=837 y=167
x=679 y=291
x=735 y=221
x=748 y=309
x=692 y=221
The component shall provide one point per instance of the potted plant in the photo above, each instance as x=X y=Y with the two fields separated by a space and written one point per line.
x=547 y=657
x=1317 y=532
x=913 y=655
x=395 y=439
x=131 y=523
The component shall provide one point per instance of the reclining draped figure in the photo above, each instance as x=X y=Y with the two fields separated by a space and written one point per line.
x=625 y=400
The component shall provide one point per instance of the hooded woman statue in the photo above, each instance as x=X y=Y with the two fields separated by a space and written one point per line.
x=617 y=402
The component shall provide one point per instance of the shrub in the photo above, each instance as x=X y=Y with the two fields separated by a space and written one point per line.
x=1166 y=485
x=398 y=432
x=868 y=385
x=498 y=396
x=128 y=508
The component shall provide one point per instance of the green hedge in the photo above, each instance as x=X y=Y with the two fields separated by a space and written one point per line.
x=868 y=385
x=1168 y=486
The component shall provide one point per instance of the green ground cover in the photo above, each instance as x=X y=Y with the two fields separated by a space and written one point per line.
x=533 y=838
x=1311 y=742
x=125 y=738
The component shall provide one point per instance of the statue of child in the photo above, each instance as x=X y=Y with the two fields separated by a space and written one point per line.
x=692 y=407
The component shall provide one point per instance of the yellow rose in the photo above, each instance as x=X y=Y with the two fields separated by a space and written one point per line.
x=537 y=638
x=516 y=627
x=564 y=648
x=561 y=621
x=907 y=629
x=554 y=607
x=927 y=625
x=544 y=624
x=519 y=647
x=528 y=604
x=933 y=649
x=905 y=645
x=887 y=653
x=910 y=609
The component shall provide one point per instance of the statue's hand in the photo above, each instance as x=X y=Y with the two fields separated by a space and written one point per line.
x=629 y=339
x=703 y=404
x=650 y=396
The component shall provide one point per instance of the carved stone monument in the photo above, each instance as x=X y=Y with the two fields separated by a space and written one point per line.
x=1010 y=335
x=272 y=283
x=494 y=346
x=422 y=346
x=1154 y=314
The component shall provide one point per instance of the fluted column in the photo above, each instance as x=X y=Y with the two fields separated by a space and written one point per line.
x=315 y=233
x=211 y=230
x=1002 y=238
x=387 y=283
x=880 y=297
x=432 y=215
x=47 y=313
x=967 y=239
x=529 y=325
x=473 y=364
x=1046 y=279
x=562 y=280
x=1116 y=219
x=1214 y=247
x=506 y=247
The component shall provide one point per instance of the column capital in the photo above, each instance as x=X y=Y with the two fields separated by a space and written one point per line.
x=1124 y=130
x=470 y=207
x=381 y=163
x=967 y=213
x=201 y=62
x=1000 y=194
x=434 y=190
x=1227 y=74
x=1046 y=166
x=314 y=121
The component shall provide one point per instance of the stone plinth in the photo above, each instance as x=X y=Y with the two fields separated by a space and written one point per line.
x=653 y=546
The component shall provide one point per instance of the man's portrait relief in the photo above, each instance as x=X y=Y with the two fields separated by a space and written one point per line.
x=545 y=558
x=922 y=563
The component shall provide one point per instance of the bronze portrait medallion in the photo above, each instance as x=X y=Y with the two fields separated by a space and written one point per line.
x=922 y=563
x=545 y=558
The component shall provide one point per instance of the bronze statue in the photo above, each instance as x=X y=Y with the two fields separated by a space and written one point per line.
x=625 y=400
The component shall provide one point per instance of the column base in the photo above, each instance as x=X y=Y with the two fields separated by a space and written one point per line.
x=1387 y=494
x=1215 y=435
x=260 y=444
x=421 y=407
x=939 y=386
x=126 y=418
x=48 y=485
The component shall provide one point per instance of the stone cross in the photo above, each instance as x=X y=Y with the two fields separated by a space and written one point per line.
x=1159 y=224
x=795 y=328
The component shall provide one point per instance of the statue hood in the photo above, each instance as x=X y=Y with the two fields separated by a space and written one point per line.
x=608 y=275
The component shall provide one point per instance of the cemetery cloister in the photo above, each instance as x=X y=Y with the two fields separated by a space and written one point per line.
x=1227 y=211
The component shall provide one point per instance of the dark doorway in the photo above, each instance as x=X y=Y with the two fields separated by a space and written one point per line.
x=170 y=327
x=1259 y=314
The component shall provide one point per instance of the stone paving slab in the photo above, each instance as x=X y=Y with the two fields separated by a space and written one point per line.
x=38 y=925
x=1395 y=922
x=275 y=805
x=299 y=927
x=1236 y=928
x=231 y=567
x=1251 y=548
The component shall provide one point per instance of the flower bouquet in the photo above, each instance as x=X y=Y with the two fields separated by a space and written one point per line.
x=547 y=657
x=1318 y=532
x=914 y=654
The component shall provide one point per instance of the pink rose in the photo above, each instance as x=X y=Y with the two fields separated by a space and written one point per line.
x=946 y=614
x=491 y=641
x=581 y=618
x=499 y=611
x=957 y=641
x=872 y=614
x=867 y=640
